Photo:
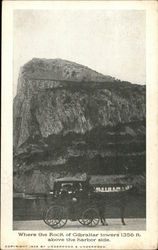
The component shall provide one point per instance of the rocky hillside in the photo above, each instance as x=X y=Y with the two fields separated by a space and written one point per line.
x=69 y=119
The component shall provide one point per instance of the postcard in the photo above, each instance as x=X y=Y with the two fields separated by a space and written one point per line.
x=79 y=125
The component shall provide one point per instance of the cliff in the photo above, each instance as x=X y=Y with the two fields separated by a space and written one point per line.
x=69 y=119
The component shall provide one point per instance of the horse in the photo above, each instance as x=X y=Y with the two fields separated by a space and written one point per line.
x=106 y=199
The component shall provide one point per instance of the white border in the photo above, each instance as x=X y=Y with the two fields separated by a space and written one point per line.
x=149 y=238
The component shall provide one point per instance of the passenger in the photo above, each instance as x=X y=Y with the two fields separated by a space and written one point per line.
x=66 y=192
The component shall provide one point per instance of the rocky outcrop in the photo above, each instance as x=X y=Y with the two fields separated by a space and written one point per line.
x=70 y=119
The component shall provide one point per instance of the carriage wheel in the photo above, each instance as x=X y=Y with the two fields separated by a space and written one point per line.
x=84 y=221
x=80 y=221
x=55 y=216
x=44 y=215
x=90 y=217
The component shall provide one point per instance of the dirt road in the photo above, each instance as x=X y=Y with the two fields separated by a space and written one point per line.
x=113 y=224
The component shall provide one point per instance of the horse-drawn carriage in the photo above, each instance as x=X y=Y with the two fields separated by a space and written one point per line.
x=78 y=200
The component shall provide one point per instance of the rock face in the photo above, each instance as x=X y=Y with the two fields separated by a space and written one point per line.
x=69 y=119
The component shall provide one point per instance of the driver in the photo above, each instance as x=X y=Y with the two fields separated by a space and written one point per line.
x=88 y=187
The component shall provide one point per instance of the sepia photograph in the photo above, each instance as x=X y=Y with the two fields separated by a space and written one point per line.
x=79 y=116
x=79 y=119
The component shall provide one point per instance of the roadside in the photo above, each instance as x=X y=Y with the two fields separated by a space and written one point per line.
x=113 y=224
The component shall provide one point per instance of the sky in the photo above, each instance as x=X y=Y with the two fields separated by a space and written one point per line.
x=111 y=42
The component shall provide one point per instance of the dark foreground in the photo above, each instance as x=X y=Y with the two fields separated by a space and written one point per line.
x=31 y=209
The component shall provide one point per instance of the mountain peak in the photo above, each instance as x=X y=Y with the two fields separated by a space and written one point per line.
x=60 y=69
